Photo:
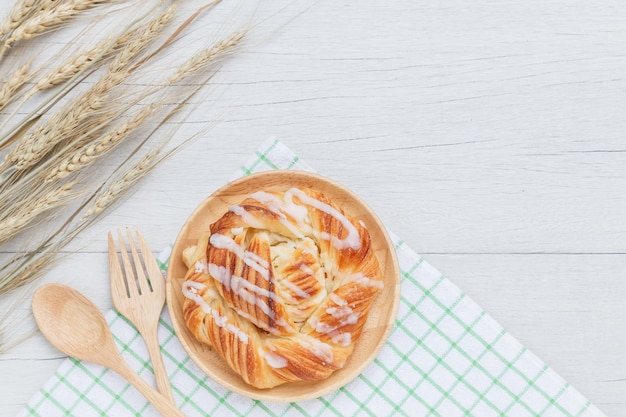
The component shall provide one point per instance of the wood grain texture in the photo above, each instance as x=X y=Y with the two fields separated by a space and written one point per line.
x=487 y=135
x=59 y=310
x=138 y=293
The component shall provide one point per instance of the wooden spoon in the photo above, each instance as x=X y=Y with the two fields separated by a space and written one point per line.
x=76 y=327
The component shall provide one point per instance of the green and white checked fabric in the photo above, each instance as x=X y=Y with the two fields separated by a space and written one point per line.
x=445 y=357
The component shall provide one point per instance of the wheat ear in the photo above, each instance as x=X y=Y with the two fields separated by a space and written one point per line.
x=206 y=57
x=15 y=82
x=78 y=63
x=118 y=188
x=90 y=152
x=11 y=225
x=36 y=144
x=21 y=9
x=50 y=15
x=132 y=49
x=28 y=267
x=42 y=22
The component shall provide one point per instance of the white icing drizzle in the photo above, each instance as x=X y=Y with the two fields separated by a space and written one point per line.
x=299 y=292
x=236 y=231
x=299 y=214
x=190 y=290
x=281 y=207
x=240 y=211
x=201 y=266
x=307 y=270
x=318 y=348
x=244 y=289
x=324 y=328
x=342 y=339
x=274 y=359
x=364 y=280
x=352 y=240
x=345 y=314
x=337 y=299
x=251 y=259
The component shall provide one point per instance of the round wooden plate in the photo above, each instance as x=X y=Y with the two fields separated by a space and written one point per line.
x=382 y=314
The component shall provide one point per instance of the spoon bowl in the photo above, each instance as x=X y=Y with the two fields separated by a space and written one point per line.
x=69 y=321
x=75 y=326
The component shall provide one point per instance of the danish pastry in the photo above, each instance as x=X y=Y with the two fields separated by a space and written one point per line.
x=281 y=286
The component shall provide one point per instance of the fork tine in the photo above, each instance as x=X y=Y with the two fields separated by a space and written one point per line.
x=150 y=262
x=117 y=276
x=144 y=283
x=134 y=286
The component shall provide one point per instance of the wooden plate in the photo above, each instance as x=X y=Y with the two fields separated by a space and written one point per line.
x=382 y=314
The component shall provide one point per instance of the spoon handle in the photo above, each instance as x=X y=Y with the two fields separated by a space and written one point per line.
x=160 y=402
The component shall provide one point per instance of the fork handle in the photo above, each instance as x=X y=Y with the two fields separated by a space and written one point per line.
x=158 y=401
x=150 y=336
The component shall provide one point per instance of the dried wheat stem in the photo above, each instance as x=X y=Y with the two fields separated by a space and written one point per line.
x=42 y=22
x=90 y=152
x=134 y=47
x=25 y=214
x=21 y=9
x=15 y=82
x=206 y=57
x=46 y=5
x=60 y=126
x=78 y=63
x=50 y=15
x=172 y=38
x=118 y=188
x=75 y=65
x=37 y=143
x=25 y=271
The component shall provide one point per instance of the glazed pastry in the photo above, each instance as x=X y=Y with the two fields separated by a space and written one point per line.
x=281 y=287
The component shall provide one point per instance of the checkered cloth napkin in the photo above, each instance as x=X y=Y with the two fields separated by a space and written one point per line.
x=445 y=357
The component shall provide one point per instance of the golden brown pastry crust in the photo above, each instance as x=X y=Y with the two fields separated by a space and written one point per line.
x=281 y=287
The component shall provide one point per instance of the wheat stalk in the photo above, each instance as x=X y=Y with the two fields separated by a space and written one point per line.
x=67 y=74
x=43 y=21
x=38 y=143
x=133 y=48
x=22 y=268
x=15 y=82
x=74 y=65
x=206 y=57
x=21 y=9
x=118 y=188
x=25 y=214
x=12 y=327
x=90 y=152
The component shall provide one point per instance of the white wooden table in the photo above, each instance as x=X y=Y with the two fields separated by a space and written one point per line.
x=490 y=136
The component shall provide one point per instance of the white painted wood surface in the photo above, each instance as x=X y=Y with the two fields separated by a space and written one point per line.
x=490 y=136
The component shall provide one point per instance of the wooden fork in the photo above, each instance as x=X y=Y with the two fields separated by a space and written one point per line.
x=140 y=298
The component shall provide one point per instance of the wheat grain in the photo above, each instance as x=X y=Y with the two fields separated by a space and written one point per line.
x=73 y=66
x=26 y=213
x=70 y=120
x=46 y=5
x=90 y=152
x=206 y=57
x=28 y=267
x=135 y=46
x=42 y=22
x=21 y=9
x=15 y=82
x=80 y=62
x=118 y=188
x=49 y=15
